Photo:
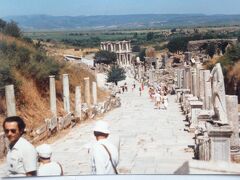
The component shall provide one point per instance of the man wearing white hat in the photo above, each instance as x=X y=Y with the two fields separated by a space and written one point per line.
x=104 y=153
x=46 y=166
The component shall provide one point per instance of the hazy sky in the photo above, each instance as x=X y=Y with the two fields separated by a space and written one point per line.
x=113 y=7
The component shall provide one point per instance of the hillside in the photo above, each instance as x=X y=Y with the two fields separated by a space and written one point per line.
x=28 y=68
x=45 y=22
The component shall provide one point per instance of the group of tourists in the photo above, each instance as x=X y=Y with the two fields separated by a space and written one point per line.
x=23 y=159
x=140 y=88
x=158 y=94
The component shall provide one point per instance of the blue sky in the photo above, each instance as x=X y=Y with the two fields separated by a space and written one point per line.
x=114 y=7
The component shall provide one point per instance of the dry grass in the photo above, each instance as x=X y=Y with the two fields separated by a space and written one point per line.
x=31 y=106
x=234 y=71
x=19 y=43
x=76 y=78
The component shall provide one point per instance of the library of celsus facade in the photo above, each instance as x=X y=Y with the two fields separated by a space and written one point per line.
x=121 y=48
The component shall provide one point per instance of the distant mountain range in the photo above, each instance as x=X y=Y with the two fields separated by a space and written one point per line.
x=46 y=22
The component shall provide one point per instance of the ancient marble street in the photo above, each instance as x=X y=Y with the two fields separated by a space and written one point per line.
x=196 y=131
x=151 y=140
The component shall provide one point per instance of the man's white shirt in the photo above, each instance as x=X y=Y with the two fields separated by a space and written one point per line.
x=101 y=163
x=22 y=158
x=49 y=169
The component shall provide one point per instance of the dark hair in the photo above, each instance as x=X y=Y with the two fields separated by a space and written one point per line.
x=97 y=133
x=21 y=124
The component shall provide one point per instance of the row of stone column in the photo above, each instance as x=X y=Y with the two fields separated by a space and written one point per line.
x=114 y=47
x=195 y=85
x=66 y=95
x=124 y=58
x=11 y=105
x=197 y=80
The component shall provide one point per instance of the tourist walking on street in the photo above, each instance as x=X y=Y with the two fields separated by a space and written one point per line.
x=104 y=153
x=158 y=100
x=140 y=91
x=126 y=86
x=165 y=101
x=21 y=156
x=46 y=166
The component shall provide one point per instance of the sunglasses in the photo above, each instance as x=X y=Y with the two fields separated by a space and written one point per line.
x=12 y=131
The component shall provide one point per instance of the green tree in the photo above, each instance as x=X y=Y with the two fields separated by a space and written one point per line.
x=12 y=29
x=142 y=54
x=150 y=36
x=211 y=49
x=135 y=35
x=116 y=74
x=105 y=57
x=178 y=44
x=2 y=24
x=136 y=48
x=173 y=30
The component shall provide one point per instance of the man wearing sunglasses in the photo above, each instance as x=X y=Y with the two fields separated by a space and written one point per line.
x=21 y=156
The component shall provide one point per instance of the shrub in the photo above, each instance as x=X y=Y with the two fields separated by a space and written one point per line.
x=116 y=74
x=105 y=57
x=7 y=78
x=12 y=29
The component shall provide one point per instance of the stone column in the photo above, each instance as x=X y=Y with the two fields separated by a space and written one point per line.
x=114 y=47
x=182 y=78
x=66 y=97
x=78 y=102
x=188 y=81
x=139 y=72
x=111 y=47
x=53 y=105
x=201 y=85
x=220 y=143
x=197 y=82
x=127 y=46
x=94 y=93
x=194 y=82
x=87 y=91
x=232 y=115
x=207 y=90
x=10 y=100
x=179 y=78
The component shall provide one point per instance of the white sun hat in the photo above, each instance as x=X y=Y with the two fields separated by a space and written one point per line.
x=44 y=151
x=101 y=126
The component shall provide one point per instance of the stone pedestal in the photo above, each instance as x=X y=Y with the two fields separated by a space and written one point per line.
x=180 y=93
x=53 y=105
x=196 y=107
x=220 y=143
x=10 y=100
x=203 y=148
